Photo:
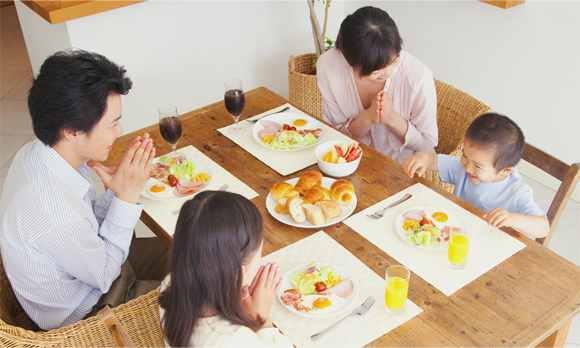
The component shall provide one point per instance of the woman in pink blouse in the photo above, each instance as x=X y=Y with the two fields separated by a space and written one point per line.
x=376 y=92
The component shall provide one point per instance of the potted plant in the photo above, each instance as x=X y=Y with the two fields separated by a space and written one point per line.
x=302 y=82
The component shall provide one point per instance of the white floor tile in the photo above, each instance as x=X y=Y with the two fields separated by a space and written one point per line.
x=142 y=231
x=573 y=339
x=17 y=42
x=8 y=15
x=1 y=185
x=4 y=169
x=15 y=118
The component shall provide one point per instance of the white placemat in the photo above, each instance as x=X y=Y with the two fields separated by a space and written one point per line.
x=489 y=246
x=162 y=211
x=355 y=331
x=284 y=162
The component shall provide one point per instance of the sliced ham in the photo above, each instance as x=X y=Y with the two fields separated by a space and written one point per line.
x=343 y=289
x=270 y=128
x=186 y=188
x=267 y=124
x=414 y=214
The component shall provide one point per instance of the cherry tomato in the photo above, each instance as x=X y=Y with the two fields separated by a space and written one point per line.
x=320 y=286
x=172 y=180
x=424 y=222
x=292 y=128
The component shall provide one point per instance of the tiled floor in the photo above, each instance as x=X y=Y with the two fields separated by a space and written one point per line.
x=16 y=130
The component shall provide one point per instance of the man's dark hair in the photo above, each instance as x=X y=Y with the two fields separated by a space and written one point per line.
x=70 y=93
x=498 y=134
x=369 y=40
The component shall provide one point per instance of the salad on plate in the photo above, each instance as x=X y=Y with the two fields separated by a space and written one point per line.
x=176 y=177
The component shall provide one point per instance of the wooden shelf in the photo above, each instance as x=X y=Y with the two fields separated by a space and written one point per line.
x=61 y=11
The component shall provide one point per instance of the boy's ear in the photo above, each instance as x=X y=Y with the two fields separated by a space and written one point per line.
x=508 y=171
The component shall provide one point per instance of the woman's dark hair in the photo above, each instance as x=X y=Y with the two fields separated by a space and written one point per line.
x=496 y=133
x=216 y=233
x=70 y=93
x=369 y=40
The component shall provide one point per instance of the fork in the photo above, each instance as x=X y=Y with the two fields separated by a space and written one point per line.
x=379 y=214
x=223 y=188
x=360 y=310
x=277 y=112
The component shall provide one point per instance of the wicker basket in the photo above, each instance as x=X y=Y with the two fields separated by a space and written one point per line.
x=303 y=89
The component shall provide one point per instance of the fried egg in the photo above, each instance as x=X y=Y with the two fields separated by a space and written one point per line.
x=439 y=217
x=159 y=189
x=300 y=124
x=318 y=304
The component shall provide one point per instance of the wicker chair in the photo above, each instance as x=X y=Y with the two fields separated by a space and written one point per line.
x=302 y=88
x=455 y=112
x=139 y=318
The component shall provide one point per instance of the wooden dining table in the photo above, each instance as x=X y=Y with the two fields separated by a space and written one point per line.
x=527 y=300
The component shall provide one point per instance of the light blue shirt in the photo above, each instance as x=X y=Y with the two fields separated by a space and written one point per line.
x=62 y=246
x=512 y=193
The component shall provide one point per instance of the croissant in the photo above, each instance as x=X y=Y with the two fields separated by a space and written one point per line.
x=307 y=181
x=282 y=190
x=316 y=194
x=342 y=191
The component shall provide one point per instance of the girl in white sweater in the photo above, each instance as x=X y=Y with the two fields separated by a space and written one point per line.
x=216 y=293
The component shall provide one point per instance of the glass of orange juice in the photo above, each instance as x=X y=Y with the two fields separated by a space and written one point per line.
x=459 y=241
x=396 y=289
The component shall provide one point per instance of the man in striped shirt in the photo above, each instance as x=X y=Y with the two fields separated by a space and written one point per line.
x=65 y=250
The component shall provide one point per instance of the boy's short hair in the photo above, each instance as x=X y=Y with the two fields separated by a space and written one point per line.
x=497 y=133
x=70 y=93
x=369 y=40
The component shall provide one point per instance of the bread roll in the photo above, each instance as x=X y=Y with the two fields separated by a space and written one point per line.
x=314 y=214
x=330 y=208
x=342 y=191
x=282 y=190
x=316 y=194
x=294 y=207
x=281 y=207
x=307 y=181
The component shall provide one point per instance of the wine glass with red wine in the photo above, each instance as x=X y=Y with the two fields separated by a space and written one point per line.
x=235 y=103
x=170 y=125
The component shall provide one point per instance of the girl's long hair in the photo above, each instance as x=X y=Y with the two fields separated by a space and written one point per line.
x=216 y=233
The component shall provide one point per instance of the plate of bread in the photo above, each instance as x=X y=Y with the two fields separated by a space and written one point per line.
x=311 y=201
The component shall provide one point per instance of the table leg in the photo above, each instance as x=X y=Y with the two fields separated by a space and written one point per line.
x=558 y=338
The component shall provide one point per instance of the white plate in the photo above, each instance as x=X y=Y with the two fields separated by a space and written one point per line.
x=326 y=182
x=204 y=169
x=400 y=221
x=341 y=271
x=289 y=117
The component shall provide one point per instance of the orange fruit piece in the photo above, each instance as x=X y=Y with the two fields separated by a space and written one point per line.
x=328 y=157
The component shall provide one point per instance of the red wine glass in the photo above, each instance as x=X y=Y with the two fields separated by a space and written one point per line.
x=170 y=125
x=235 y=103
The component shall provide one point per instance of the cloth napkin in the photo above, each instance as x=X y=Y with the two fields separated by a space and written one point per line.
x=356 y=331
x=284 y=162
x=489 y=246
x=162 y=211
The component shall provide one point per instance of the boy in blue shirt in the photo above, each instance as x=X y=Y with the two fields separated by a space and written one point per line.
x=485 y=174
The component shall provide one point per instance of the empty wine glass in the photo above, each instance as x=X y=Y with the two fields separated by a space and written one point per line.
x=235 y=103
x=170 y=125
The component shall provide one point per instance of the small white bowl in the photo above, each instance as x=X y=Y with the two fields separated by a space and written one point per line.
x=334 y=169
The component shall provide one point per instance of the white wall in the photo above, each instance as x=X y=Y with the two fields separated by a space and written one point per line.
x=181 y=52
x=523 y=62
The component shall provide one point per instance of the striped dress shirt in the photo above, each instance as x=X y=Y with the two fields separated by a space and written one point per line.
x=62 y=246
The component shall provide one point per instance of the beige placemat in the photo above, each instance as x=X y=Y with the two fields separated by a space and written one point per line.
x=284 y=162
x=162 y=211
x=355 y=331
x=489 y=246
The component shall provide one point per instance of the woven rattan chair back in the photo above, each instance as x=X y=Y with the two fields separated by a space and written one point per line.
x=567 y=174
x=302 y=88
x=139 y=318
x=455 y=112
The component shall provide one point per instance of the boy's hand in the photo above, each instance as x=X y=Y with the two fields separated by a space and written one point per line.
x=499 y=217
x=418 y=162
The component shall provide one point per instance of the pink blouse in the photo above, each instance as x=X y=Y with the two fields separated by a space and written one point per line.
x=412 y=89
